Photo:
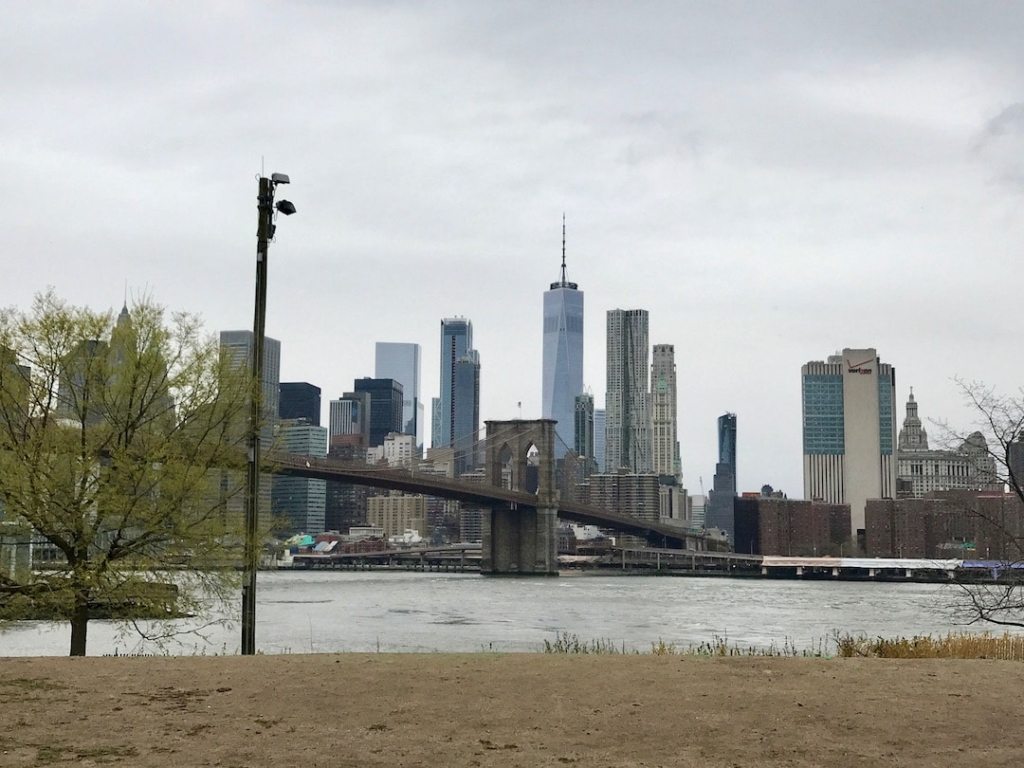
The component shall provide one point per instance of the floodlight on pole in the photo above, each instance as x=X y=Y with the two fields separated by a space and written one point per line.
x=264 y=234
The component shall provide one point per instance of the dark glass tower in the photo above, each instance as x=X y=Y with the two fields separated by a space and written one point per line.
x=401 y=362
x=466 y=411
x=456 y=342
x=300 y=400
x=386 y=397
x=720 y=506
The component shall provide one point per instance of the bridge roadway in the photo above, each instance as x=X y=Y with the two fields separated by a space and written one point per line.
x=476 y=493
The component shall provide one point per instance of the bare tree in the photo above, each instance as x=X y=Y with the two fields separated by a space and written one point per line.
x=115 y=434
x=997 y=520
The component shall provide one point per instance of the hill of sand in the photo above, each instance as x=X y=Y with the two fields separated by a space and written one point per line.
x=514 y=710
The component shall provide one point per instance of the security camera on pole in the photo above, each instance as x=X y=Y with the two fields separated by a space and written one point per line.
x=264 y=233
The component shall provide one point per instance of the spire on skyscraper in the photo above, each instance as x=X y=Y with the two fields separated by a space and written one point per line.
x=564 y=281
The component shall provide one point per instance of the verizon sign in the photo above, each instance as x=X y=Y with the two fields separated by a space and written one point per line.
x=859 y=367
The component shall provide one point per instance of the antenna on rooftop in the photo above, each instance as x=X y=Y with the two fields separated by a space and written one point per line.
x=563 y=248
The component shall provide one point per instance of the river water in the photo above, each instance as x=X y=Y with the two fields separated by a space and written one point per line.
x=325 y=611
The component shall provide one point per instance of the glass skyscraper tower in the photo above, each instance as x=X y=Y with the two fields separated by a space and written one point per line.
x=401 y=362
x=456 y=344
x=563 y=356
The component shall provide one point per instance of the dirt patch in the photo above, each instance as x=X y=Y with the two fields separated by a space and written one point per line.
x=514 y=710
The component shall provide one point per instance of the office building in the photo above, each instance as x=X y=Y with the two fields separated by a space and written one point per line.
x=466 y=412
x=583 y=431
x=663 y=412
x=350 y=415
x=627 y=397
x=299 y=503
x=346 y=502
x=386 y=407
x=397 y=513
x=562 y=370
x=457 y=410
x=719 y=511
x=239 y=346
x=1015 y=464
x=401 y=362
x=456 y=342
x=627 y=493
x=398 y=450
x=599 y=431
x=299 y=400
x=435 y=423
x=849 y=431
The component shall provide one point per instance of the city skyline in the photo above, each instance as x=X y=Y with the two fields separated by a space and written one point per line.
x=771 y=187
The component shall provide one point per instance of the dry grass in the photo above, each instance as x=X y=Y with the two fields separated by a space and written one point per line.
x=1007 y=647
x=953 y=646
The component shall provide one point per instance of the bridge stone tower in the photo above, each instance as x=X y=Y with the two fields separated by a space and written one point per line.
x=517 y=540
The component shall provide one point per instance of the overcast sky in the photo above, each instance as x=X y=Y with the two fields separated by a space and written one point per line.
x=772 y=181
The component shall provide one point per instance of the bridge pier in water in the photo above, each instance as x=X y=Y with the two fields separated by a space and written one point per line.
x=521 y=541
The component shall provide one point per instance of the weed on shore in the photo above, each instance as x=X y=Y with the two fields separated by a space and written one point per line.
x=570 y=643
x=962 y=645
x=953 y=646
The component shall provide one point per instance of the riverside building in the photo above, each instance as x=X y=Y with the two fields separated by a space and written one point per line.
x=849 y=431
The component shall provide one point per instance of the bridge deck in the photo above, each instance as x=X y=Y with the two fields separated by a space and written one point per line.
x=472 y=493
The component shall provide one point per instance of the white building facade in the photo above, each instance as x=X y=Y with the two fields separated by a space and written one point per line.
x=921 y=469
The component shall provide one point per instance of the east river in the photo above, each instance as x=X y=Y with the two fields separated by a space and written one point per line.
x=322 y=612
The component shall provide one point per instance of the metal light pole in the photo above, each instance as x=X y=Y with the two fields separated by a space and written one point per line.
x=264 y=234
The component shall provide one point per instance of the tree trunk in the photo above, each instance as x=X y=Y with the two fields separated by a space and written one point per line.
x=79 y=622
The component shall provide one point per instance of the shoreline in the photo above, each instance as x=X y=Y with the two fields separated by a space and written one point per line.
x=491 y=709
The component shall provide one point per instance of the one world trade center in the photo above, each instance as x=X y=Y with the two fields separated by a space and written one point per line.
x=563 y=355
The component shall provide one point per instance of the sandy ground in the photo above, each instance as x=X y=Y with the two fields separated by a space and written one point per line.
x=515 y=710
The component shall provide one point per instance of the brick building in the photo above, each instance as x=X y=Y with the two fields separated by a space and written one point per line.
x=982 y=525
x=791 y=528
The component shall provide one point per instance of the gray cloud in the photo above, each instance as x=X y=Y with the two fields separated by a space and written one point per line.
x=772 y=181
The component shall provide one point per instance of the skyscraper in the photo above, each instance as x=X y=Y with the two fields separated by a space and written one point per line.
x=583 y=440
x=300 y=400
x=350 y=415
x=301 y=500
x=562 y=371
x=401 y=362
x=466 y=412
x=456 y=341
x=849 y=431
x=627 y=396
x=719 y=510
x=435 y=422
x=239 y=346
x=663 y=411
x=599 y=430
x=386 y=398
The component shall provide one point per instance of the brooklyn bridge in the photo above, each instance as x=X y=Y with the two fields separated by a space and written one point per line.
x=519 y=525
